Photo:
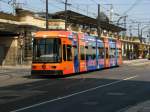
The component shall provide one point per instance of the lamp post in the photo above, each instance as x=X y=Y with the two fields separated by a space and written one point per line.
x=149 y=44
x=130 y=31
x=149 y=37
x=98 y=21
x=66 y=15
x=98 y=31
x=66 y=1
x=46 y=14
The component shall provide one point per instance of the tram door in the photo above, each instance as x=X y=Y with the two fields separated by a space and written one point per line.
x=76 y=54
x=76 y=60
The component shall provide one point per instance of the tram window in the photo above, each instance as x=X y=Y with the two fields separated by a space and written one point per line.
x=94 y=56
x=64 y=52
x=74 y=46
x=86 y=53
x=82 y=53
x=86 y=47
x=90 y=53
x=117 y=53
x=107 y=56
x=112 y=53
x=101 y=53
x=94 y=47
x=69 y=53
x=93 y=53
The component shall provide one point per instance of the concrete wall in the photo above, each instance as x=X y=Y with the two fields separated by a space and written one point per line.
x=9 y=49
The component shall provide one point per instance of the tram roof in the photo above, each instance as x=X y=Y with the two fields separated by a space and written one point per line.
x=78 y=18
x=53 y=33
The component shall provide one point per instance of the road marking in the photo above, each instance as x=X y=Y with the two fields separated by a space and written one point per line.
x=131 y=77
x=70 y=95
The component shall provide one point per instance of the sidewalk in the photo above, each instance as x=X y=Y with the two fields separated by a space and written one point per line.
x=15 y=70
x=12 y=75
x=141 y=107
x=137 y=62
x=15 y=67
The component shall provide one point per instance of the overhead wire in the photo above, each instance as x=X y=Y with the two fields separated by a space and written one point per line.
x=75 y=7
x=132 y=6
x=94 y=2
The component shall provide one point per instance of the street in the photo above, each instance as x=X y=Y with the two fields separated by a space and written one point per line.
x=74 y=56
x=109 y=90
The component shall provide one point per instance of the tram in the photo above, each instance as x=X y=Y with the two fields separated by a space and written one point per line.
x=67 y=52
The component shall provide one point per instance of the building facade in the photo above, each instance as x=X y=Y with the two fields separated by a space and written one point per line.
x=16 y=35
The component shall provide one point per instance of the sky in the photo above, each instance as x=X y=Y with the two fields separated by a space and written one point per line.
x=137 y=11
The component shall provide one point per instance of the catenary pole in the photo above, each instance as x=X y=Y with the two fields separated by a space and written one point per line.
x=46 y=14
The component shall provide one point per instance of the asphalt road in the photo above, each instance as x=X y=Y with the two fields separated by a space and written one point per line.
x=110 y=90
